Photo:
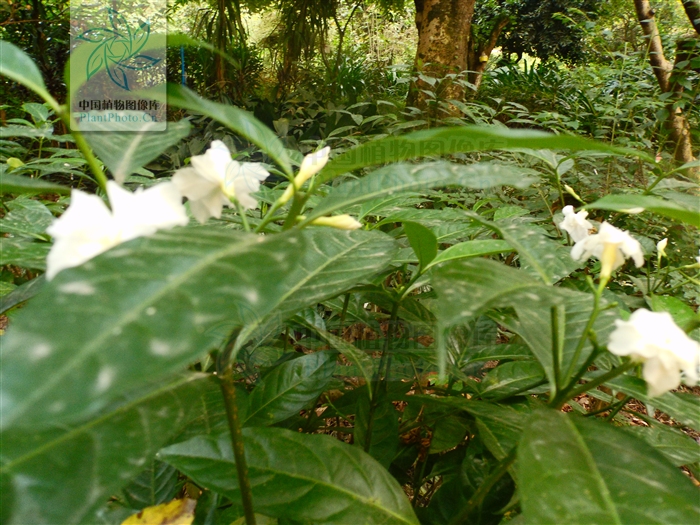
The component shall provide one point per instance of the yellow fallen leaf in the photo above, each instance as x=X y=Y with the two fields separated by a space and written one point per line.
x=177 y=512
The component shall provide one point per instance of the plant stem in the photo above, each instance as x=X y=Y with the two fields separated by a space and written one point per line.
x=346 y=303
x=381 y=378
x=228 y=389
x=584 y=335
x=571 y=393
x=242 y=215
x=556 y=349
x=485 y=487
x=83 y=146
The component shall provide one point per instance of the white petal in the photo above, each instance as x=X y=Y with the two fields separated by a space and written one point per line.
x=85 y=213
x=659 y=377
x=191 y=184
x=312 y=164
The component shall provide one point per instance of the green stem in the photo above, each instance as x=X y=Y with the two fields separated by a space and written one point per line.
x=571 y=393
x=294 y=211
x=584 y=335
x=228 y=389
x=242 y=215
x=346 y=303
x=556 y=349
x=381 y=378
x=617 y=408
x=83 y=146
x=478 y=497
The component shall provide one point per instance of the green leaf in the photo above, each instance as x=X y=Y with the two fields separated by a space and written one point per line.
x=443 y=141
x=30 y=220
x=334 y=262
x=10 y=183
x=155 y=315
x=511 y=378
x=682 y=314
x=577 y=470
x=469 y=287
x=310 y=478
x=155 y=485
x=679 y=448
x=124 y=151
x=19 y=66
x=239 y=121
x=14 y=130
x=22 y=293
x=423 y=242
x=683 y=408
x=500 y=426
x=467 y=249
x=639 y=203
x=64 y=474
x=23 y=253
x=539 y=255
x=384 y=427
x=534 y=325
x=402 y=178
x=290 y=387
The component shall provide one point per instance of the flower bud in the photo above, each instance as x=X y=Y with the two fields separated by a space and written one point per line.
x=341 y=222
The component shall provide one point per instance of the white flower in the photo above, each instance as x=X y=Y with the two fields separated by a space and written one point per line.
x=666 y=351
x=88 y=227
x=215 y=178
x=575 y=224
x=310 y=166
x=661 y=247
x=342 y=222
x=612 y=246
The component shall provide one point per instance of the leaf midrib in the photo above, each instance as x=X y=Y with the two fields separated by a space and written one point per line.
x=97 y=421
x=130 y=316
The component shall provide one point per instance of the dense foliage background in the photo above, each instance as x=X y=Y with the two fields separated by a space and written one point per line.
x=446 y=362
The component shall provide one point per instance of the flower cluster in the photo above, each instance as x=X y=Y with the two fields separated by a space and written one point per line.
x=610 y=245
x=668 y=354
x=212 y=181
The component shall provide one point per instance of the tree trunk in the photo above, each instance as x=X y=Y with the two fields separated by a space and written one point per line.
x=444 y=37
x=478 y=56
x=677 y=123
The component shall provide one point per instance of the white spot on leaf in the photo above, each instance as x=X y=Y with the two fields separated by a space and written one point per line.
x=104 y=379
x=77 y=288
x=40 y=351
x=150 y=310
x=159 y=347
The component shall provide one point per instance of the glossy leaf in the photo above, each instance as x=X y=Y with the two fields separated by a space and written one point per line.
x=154 y=304
x=384 y=428
x=19 y=66
x=577 y=470
x=333 y=262
x=679 y=448
x=511 y=378
x=467 y=249
x=443 y=141
x=290 y=387
x=155 y=485
x=237 y=120
x=500 y=426
x=684 y=408
x=124 y=151
x=402 y=178
x=64 y=474
x=640 y=203
x=310 y=478
x=10 y=183
x=22 y=293
x=423 y=242
x=539 y=255
x=23 y=253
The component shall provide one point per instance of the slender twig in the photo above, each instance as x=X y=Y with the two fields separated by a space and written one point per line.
x=556 y=348
x=242 y=215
